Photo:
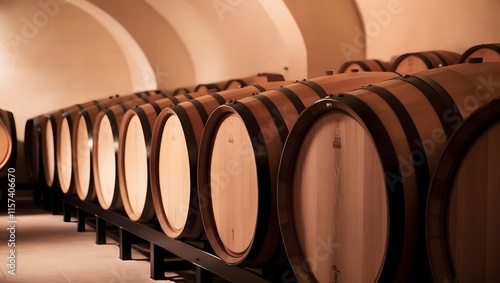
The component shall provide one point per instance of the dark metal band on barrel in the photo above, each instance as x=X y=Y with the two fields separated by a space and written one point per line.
x=188 y=96
x=240 y=81
x=174 y=100
x=179 y=90
x=395 y=190
x=363 y=66
x=380 y=65
x=115 y=133
x=263 y=179
x=444 y=178
x=201 y=110
x=411 y=133
x=275 y=113
x=190 y=138
x=424 y=58
x=13 y=136
x=156 y=107
x=315 y=87
x=297 y=103
x=162 y=93
x=259 y=87
x=208 y=86
x=143 y=117
x=438 y=97
x=218 y=97
x=443 y=61
x=471 y=50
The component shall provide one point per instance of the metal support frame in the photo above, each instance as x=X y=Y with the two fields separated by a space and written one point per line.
x=207 y=265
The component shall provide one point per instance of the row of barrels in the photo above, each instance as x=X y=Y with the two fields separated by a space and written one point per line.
x=8 y=142
x=343 y=179
x=420 y=61
x=230 y=84
x=42 y=133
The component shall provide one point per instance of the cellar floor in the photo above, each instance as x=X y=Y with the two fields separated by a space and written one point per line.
x=50 y=250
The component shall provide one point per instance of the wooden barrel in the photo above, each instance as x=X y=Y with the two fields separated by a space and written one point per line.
x=5 y=142
x=33 y=148
x=174 y=155
x=420 y=61
x=50 y=124
x=463 y=215
x=260 y=78
x=83 y=142
x=105 y=154
x=241 y=82
x=64 y=146
x=134 y=142
x=366 y=66
x=488 y=53
x=238 y=164
x=355 y=171
x=8 y=142
x=181 y=90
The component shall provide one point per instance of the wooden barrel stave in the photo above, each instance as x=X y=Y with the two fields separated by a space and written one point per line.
x=429 y=120
x=134 y=156
x=50 y=125
x=419 y=61
x=8 y=142
x=175 y=198
x=365 y=65
x=487 y=52
x=5 y=141
x=462 y=215
x=105 y=156
x=65 y=151
x=82 y=142
x=32 y=148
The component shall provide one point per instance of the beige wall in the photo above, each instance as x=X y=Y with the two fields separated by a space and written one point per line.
x=228 y=38
x=54 y=56
x=394 y=27
x=166 y=52
x=328 y=27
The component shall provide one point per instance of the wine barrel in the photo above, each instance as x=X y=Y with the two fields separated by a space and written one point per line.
x=33 y=148
x=105 y=154
x=366 y=66
x=355 y=171
x=463 y=215
x=5 y=142
x=235 y=83
x=420 y=61
x=488 y=53
x=64 y=145
x=238 y=163
x=83 y=143
x=134 y=142
x=252 y=80
x=8 y=142
x=181 y=90
x=50 y=124
x=174 y=154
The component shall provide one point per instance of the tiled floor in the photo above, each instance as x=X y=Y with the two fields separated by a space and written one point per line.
x=50 y=250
